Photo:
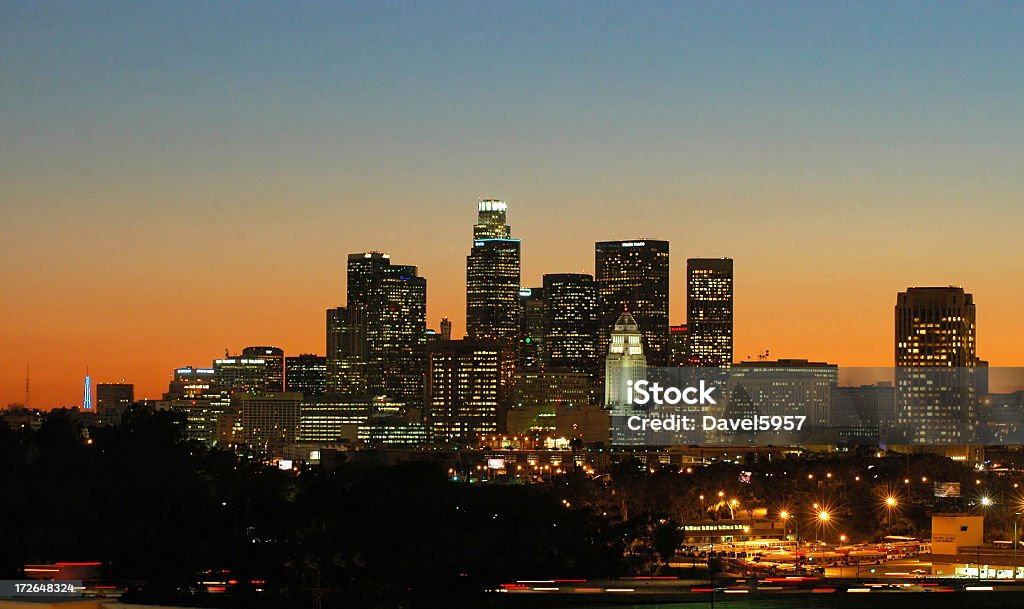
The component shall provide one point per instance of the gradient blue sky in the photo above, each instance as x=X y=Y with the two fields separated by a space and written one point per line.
x=177 y=178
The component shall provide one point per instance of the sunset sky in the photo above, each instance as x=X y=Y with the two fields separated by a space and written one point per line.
x=185 y=178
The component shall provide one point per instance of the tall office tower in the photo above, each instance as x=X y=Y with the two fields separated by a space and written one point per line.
x=709 y=312
x=346 y=350
x=633 y=276
x=492 y=277
x=393 y=299
x=306 y=374
x=936 y=356
x=625 y=362
x=530 y=350
x=274 y=371
x=235 y=373
x=112 y=399
x=468 y=389
x=446 y=328
x=571 y=323
x=678 y=345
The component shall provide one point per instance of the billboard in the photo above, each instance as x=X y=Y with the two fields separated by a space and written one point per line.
x=947 y=489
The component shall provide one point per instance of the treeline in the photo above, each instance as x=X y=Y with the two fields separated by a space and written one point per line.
x=159 y=511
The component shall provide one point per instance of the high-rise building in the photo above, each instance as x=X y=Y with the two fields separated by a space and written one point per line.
x=633 y=276
x=273 y=357
x=571 y=317
x=468 y=388
x=235 y=373
x=709 y=311
x=393 y=301
x=192 y=383
x=202 y=416
x=530 y=350
x=269 y=421
x=625 y=363
x=862 y=415
x=936 y=356
x=538 y=398
x=332 y=418
x=492 y=277
x=784 y=387
x=446 y=328
x=678 y=345
x=112 y=399
x=346 y=350
x=306 y=374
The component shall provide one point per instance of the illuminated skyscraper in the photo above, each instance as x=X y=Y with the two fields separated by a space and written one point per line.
x=468 y=388
x=530 y=351
x=936 y=357
x=241 y=374
x=570 y=323
x=393 y=301
x=492 y=277
x=346 y=350
x=709 y=311
x=633 y=276
x=306 y=374
x=273 y=358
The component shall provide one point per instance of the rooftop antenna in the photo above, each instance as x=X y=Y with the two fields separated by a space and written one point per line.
x=28 y=388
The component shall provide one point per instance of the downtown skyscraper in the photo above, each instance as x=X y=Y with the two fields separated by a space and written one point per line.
x=346 y=350
x=709 y=312
x=393 y=302
x=633 y=276
x=492 y=277
x=467 y=388
x=530 y=351
x=936 y=359
x=570 y=323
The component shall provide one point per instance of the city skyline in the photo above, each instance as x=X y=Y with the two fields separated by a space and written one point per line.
x=152 y=383
x=177 y=182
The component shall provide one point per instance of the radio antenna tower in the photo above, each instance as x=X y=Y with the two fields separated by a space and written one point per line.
x=28 y=388
x=87 y=400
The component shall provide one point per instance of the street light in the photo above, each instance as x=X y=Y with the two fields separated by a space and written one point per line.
x=890 y=503
x=823 y=518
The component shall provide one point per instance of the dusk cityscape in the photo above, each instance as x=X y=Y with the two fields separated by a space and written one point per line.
x=548 y=305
